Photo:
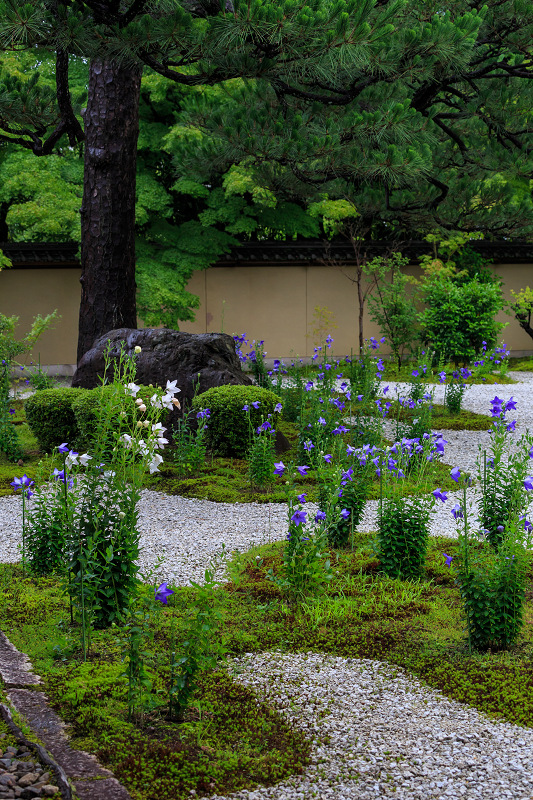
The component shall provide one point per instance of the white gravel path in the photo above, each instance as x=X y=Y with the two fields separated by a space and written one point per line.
x=379 y=733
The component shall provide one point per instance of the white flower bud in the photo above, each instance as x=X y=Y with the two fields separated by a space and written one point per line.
x=121 y=513
x=142 y=408
x=139 y=402
x=137 y=349
x=139 y=424
x=146 y=423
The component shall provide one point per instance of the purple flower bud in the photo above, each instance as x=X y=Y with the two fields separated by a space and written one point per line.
x=457 y=512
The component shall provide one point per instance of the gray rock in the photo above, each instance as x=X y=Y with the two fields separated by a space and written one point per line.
x=203 y=360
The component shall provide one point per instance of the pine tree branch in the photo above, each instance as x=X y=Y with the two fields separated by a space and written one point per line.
x=283 y=88
x=136 y=8
x=449 y=132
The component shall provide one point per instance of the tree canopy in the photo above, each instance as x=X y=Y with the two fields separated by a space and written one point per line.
x=271 y=120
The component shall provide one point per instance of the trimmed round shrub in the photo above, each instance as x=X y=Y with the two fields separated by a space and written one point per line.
x=51 y=417
x=228 y=429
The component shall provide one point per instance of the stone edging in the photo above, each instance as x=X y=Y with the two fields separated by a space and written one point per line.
x=74 y=769
x=61 y=778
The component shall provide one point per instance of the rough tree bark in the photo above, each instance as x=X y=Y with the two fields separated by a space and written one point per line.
x=108 y=206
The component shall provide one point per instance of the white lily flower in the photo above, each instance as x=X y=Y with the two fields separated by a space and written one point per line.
x=172 y=388
x=84 y=459
x=161 y=442
x=143 y=447
x=132 y=389
x=127 y=440
x=167 y=401
x=108 y=474
x=158 y=427
x=154 y=463
x=71 y=459
x=155 y=401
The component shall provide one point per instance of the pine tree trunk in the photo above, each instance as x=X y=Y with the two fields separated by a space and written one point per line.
x=108 y=206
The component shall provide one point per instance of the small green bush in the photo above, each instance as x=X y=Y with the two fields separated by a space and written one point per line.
x=228 y=431
x=51 y=418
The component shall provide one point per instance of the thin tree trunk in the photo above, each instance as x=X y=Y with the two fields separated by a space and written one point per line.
x=361 y=298
x=108 y=206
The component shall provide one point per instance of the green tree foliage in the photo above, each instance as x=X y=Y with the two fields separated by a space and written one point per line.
x=522 y=308
x=393 y=306
x=462 y=299
x=181 y=225
x=425 y=123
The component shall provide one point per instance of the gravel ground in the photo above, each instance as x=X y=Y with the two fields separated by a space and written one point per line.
x=378 y=733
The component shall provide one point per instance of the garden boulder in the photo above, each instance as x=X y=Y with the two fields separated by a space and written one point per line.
x=190 y=359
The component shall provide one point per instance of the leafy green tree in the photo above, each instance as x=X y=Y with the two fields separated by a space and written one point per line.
x=192 y=43
x=462 y=300
x=393 y=307
x=522 y=308
x=180 y=225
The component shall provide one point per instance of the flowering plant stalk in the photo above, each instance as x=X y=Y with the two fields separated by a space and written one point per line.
x=417 y=385
x=502 y=474
x=363 y=373
x=107 y=516
x=255 y=358
x=489 y=361
x=25 y=485
x=305 y=563
x=292 y=393
x=136 y=634
x=261 y=455
x=342 y=496
x=491 y=582
x=190 y=449
x=403 y=525
x=9 y=441
x=201 y=647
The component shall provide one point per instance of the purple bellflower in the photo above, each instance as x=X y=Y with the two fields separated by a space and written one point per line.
x=299 y=517
x=163 y=593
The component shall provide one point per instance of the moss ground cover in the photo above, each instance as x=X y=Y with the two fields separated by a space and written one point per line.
x=521 y=364
x=442 y=419
x=229 y=739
